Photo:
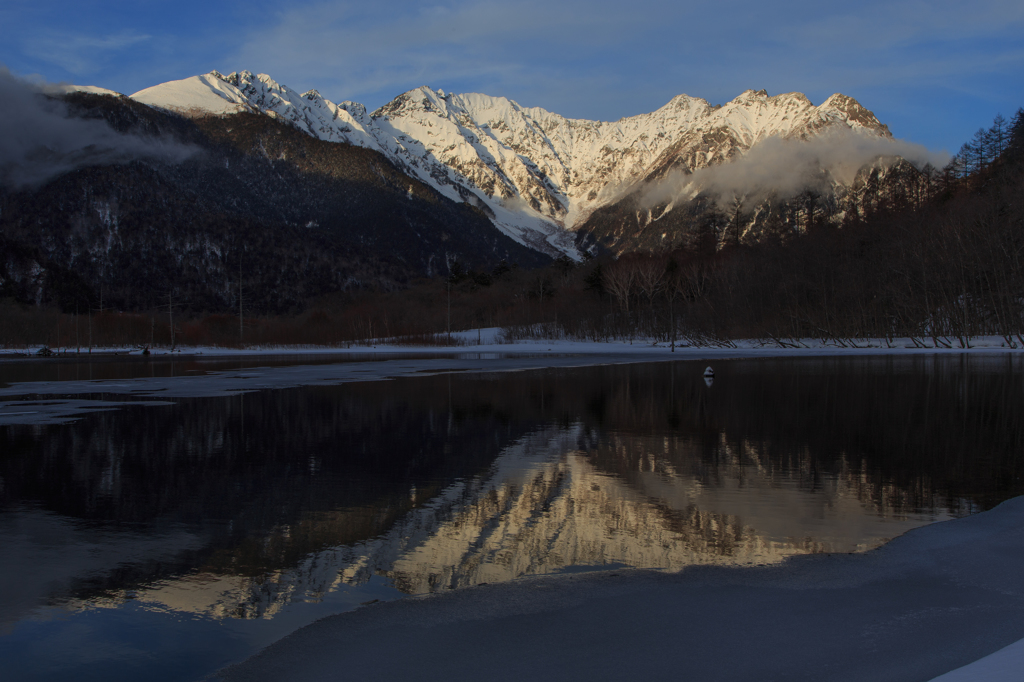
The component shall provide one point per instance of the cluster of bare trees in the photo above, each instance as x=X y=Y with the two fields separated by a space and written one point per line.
x=941 y=276
x=659 y=296
x=24 y=326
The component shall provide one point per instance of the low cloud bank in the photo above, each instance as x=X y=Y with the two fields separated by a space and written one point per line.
x=785 y=168
x=42 y=140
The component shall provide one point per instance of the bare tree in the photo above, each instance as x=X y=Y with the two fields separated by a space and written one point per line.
x=620 y=280
x=674 y=289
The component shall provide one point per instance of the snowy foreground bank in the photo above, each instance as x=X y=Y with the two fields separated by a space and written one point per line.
x=929 y=602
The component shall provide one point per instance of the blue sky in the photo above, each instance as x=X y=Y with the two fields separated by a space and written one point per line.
x=934 y=71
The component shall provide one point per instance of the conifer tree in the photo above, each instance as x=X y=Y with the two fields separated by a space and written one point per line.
x=979 y=150
x=1015 y=137
x=998 y=137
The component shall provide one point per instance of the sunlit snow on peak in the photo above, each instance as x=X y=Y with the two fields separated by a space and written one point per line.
x=536 y=173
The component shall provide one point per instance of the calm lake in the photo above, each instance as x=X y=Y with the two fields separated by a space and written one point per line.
x=165 y=541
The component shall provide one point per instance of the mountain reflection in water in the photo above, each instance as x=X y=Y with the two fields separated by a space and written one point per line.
x=234 y=508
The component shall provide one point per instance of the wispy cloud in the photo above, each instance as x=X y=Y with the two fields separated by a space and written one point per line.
x=81 y=54
x=884 y=26
x=42 y=140
x=606 y=59
x=784 y=168
x=349 y=51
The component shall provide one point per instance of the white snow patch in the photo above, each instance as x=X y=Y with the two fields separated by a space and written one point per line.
x=206 y=94
x=1005 y=665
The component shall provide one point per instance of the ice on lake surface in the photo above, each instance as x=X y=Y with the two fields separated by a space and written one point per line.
x=219 y=524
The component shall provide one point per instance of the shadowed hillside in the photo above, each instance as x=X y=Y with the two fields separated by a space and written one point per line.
x=291 y=216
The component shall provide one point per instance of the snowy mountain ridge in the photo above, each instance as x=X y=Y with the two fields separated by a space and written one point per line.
x=536 y=174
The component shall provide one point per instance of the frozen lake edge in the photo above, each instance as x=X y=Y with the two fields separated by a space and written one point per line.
x=27 y=402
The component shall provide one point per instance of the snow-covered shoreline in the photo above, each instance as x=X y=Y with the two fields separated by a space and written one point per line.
x=331 y=366
x=489 y=340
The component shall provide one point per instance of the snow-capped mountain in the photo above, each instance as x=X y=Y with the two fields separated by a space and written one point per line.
x=536 y=174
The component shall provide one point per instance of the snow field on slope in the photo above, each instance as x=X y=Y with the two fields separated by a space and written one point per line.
x=205 y=93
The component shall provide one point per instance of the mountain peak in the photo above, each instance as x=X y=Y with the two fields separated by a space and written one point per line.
x=211 y=93
x=856 y=114
x=752 y=94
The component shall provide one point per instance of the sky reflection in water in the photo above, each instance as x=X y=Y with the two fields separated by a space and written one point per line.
x=217 y=525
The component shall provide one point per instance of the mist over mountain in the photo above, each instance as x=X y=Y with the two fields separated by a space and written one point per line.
x=784 y=167
x=42 y=139
x=775 y=188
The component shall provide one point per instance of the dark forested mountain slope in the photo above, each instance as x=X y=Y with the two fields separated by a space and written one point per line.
x=292 y=216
